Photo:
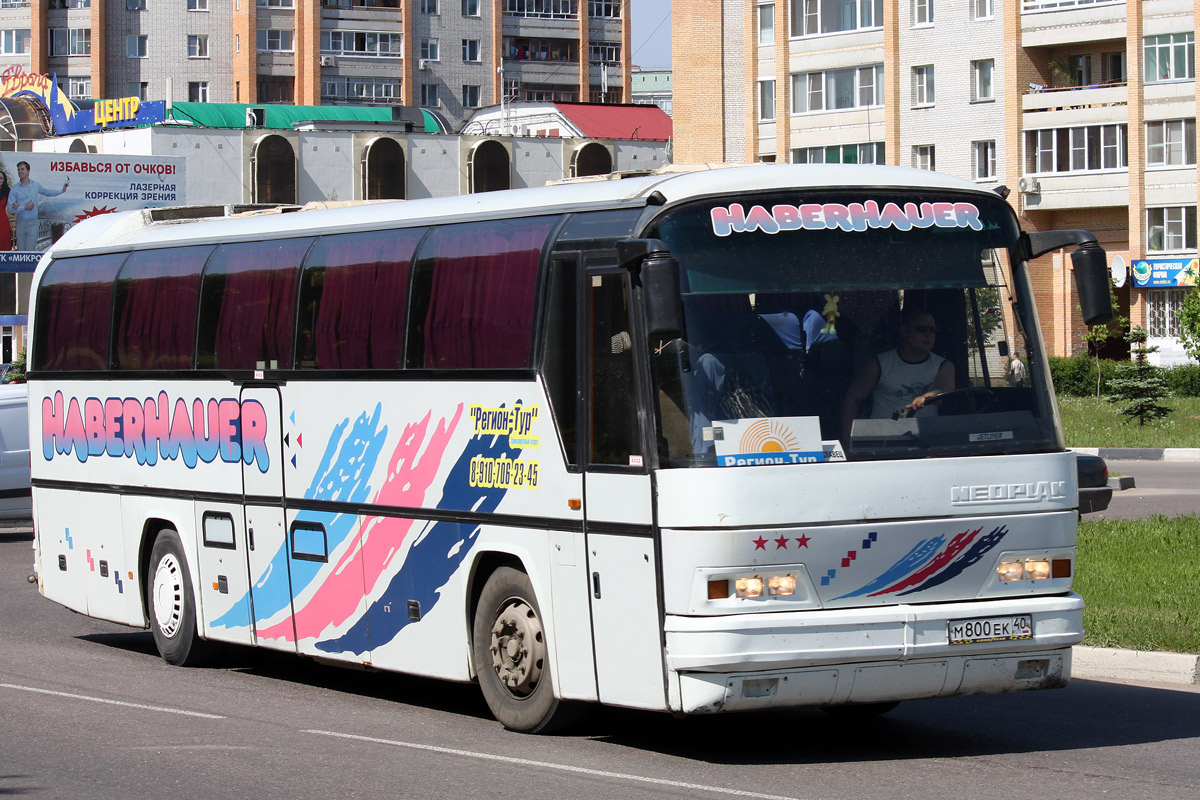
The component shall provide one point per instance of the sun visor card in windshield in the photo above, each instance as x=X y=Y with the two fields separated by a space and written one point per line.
x=837 y=241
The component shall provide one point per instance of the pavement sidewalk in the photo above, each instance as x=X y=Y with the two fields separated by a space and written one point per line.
x=1142 y=453
x=1134 y=666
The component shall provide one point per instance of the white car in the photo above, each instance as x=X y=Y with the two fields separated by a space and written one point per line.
x=15 y=498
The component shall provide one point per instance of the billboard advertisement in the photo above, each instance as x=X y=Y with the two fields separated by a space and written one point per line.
x=1165 y=273
x=44 y=192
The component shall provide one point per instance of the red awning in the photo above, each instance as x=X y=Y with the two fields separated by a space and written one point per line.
x=602 y=121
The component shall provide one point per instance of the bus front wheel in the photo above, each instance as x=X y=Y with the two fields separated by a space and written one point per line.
x=172 y=607
x=509 y=646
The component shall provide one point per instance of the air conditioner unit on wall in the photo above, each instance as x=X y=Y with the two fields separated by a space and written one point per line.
x=1029 y=185
x=256 y=117
x=328 y=61
x=424 y=63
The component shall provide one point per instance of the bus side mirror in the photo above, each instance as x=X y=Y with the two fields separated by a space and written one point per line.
x=1090 y=265
x=657 y=271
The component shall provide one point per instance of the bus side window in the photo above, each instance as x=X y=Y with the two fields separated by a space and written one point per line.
x=74 y=313
x=473 y=295
x=561 y=366
x=248 y=305
x=353 y=294
x=155 y=320
x=614 y=422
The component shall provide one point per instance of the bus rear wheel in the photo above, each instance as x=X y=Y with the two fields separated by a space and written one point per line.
x=172 y=606
x=509 y=646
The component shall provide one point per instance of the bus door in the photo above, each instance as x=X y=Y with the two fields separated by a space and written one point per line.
x=618 y=506
x=267 y=545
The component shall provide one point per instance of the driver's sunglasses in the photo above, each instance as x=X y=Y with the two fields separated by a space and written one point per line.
x=923 y=328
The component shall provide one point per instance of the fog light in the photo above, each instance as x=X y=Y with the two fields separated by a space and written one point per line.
x=1037 y=570
x=1010 y=571
x=749 y=587
x=781 y=585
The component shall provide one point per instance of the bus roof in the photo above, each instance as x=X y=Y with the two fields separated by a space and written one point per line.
x=673 y=184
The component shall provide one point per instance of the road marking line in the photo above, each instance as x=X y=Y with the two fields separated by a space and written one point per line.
x=109 y=702
x=525 y=762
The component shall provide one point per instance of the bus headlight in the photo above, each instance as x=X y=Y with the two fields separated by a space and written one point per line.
x=749 y=587
x=781 y=585
x=1037 y=570
x=1011 y=570
x=1033 y=569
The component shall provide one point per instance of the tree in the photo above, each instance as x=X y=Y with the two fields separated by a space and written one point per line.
x=1097 y=335
x=16 y=372
x=1189 y=323
x=1139 y=385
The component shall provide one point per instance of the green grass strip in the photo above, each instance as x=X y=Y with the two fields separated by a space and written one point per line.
x=1088 y=422
x=1140 y=580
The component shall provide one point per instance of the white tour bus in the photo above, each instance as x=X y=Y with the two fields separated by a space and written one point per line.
x=587 y=442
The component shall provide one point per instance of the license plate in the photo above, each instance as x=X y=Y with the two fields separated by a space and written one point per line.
x=990 y=629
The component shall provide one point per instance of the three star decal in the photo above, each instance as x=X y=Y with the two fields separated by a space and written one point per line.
x=782 y=542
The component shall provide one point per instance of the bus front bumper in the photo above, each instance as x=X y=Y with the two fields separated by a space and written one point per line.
x=865 y=655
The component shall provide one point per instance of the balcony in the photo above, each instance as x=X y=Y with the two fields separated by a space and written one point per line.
x=1046 y=23
x=1077 y=105
x=1079 y=190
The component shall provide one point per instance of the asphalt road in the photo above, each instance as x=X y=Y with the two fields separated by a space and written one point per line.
x=1170 y=488
x=88 y=710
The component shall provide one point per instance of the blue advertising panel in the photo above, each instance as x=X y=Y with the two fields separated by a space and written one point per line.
x=1165 y=273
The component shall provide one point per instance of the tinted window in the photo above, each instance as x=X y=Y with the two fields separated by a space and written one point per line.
x=74 y=313
x=474 y=290
x=248 y=305
x=352 y=299
x=155 y=320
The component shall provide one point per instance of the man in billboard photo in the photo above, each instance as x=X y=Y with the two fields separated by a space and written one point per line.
x=23 y=202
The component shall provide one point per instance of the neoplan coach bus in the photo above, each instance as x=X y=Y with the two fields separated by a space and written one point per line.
x=578 y=443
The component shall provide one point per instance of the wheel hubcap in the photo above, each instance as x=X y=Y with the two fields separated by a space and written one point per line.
x=518 y=648
x=168 y=596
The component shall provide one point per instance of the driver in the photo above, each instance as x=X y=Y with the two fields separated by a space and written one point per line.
x=903 y=377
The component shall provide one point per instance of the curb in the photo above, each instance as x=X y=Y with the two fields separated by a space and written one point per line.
x=1142 y=453
x=1135 y=666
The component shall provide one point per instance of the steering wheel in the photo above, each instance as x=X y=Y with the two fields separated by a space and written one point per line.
x=968 y=400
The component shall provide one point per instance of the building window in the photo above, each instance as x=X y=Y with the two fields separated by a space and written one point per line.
x=981 y=80
x=429 y=6
x=766 y=25
x=1171 y=229
x=197 y=46
x=523 y=49
x=922 y=12
x=470 y=8
x=14 y=42
x=470 y=50
x=604 y=54
x=1171 y=143
x=276 y=89
x=135 y=46
x=196 y=5
x=429 y=94
x=984 y=156
x=609 y=9
x=71 y=41
x=365 y=44
x=272 y=39
x=857 y=87
x=815 y=17
x=341 y=88
x=544 y=9
x=922 y=90
x=197 y=91
x=277 y=3
x=766 y=101
x=429 y=49
x=79 y=88
x=1163 y=310
x=138 y=89
x=923 y=157
x=470 y=96
x=866 y=153
x=1170 y=57
x=1114 y=67
x=982 y=9
x=1083 y=149
x=135 y=5
x=70 y=3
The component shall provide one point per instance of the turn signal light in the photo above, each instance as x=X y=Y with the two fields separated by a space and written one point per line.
x=718 y=589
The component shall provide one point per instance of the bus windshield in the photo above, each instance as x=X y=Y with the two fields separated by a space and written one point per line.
x=813 y=324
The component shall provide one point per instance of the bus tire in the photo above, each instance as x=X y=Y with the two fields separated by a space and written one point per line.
x=171 y=605
x=509 y=646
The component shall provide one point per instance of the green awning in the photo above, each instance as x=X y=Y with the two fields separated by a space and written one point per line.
x=283 y=117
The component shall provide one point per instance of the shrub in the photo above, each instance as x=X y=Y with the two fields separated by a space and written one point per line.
x=1183 y=380
x=1076 y=376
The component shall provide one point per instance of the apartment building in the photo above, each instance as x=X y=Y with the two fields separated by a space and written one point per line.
x=1085 y=109
x=447 y=56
